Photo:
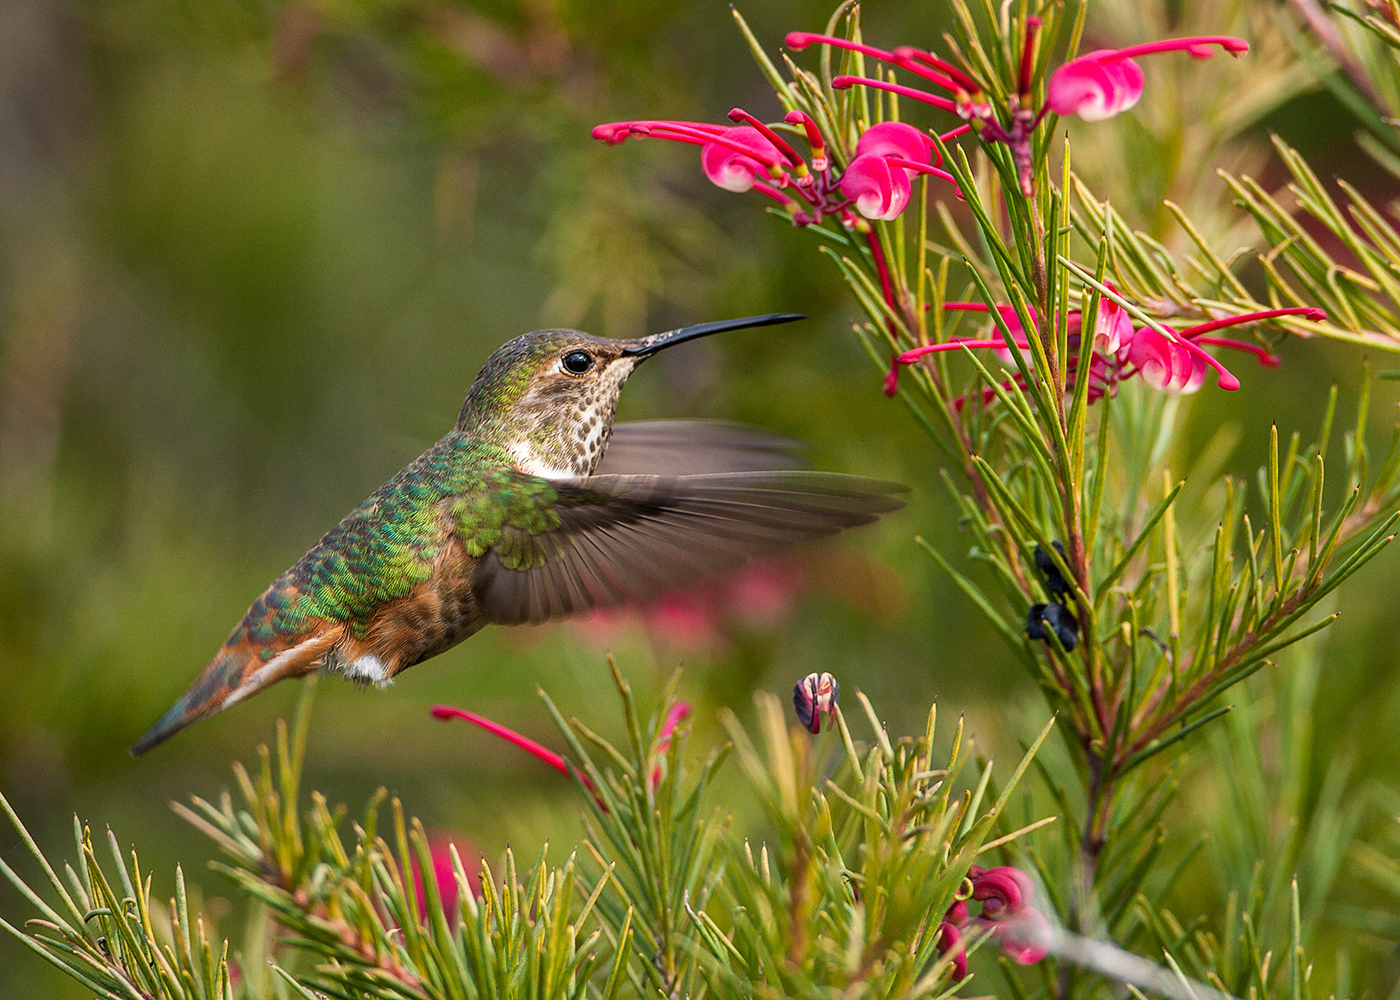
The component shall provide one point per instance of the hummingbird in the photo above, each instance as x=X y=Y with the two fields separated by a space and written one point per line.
x=535 y=506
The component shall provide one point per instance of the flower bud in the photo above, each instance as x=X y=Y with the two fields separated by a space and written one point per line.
x=813 y=695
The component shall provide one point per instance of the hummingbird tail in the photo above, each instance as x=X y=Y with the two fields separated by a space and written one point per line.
x=237 y=672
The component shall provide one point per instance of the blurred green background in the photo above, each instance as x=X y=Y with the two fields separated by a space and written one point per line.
x=253 y=253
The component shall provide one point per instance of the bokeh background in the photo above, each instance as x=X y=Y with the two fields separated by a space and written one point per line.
x=251 y=255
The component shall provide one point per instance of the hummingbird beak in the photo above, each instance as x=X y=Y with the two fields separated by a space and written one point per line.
x=647 y=346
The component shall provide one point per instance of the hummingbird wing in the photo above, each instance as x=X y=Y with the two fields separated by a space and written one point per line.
x=691 y=447
x=609 y=539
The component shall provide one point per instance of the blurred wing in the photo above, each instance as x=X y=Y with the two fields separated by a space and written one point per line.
x=622 y=538
x=693 y=447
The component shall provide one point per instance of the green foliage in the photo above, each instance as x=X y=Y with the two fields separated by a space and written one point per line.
x=664 y=900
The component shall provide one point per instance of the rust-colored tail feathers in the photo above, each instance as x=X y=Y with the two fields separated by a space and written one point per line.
x=237 y=671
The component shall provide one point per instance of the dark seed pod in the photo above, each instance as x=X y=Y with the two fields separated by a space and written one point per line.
x=1054 y=582
x=1060 y=619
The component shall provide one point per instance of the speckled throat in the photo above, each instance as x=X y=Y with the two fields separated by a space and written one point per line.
x=566 y=438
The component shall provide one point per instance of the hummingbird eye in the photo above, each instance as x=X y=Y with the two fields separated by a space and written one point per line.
x=577 y=362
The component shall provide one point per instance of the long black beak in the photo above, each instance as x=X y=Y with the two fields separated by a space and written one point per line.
x=650 y=345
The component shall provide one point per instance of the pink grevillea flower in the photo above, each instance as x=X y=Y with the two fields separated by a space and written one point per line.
x=678 y=712
x=1100 y=84
x=554 y=760
x=1174 y=364
x=440 y=846
x=1169 y=365
x=1113 y=328
x=751 y=156
x=1005 y=894
x=733 y=170
x=887 y=157
x=814 y=695
x=880 y=191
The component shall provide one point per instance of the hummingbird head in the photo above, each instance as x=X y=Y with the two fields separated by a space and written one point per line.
x=549 y=397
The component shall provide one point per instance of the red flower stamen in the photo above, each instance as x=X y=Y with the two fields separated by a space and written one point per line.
x=769 y=191
x=1197 y=48
x=924 y=168
x=614 y=133
x=799 y=40
x=1027 y=56
x=814 y=138
x=740 y=115
x=906 y=54
x=1267 y=359
x=685 y=133
x=1307 y=312
x=845 y=82
x=554 y=760
x=1223 y=377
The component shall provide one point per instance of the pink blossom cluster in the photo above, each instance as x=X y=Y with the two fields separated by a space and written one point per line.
x=1095 y=86
x=757 y=597
x=752 y=156
x=1174 y=364
x=1005 y=894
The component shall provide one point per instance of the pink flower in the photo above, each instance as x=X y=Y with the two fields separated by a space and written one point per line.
x=1102 y=83
x=1168 y=365
x=950 y=942
x=1005 y=894
x=887 y=157
x=678 y=712
x=1022 y=937
x=1113 y=327
x=1175 y=363
x=895 y=139
x=731 y=169
x=440 y=846
x=879 y=190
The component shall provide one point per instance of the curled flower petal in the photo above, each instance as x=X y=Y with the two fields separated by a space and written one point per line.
x=1165 y=364
x=896 y=139
x=732 y=170
x=1095 y=86
x=1002 y=891
x=1100 y=84
x=1023 y=937
x=950 y=942
x=1112 y=328
x=880 y=191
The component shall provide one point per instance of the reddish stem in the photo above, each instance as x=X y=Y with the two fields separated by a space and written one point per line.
x=877 y=253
